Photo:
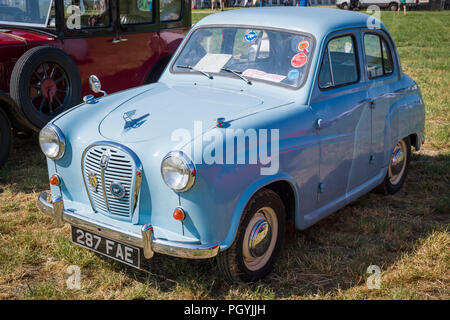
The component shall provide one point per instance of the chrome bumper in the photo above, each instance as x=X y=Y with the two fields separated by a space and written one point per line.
x=145 y=240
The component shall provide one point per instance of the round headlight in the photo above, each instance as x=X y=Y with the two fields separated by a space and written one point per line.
x=52 y=142
x=178 y=171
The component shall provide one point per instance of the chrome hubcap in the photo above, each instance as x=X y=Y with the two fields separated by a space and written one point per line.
x=260 y=238
x=398 y=162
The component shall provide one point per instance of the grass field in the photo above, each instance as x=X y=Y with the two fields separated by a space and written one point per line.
x=406 y=235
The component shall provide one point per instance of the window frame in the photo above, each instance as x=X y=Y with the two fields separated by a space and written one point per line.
x=388 y=48
x=244 y=26
x=358 y=67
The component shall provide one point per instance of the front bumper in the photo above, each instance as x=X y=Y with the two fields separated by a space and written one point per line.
x=145 y=240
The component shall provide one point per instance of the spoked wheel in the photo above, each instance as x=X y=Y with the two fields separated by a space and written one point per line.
x=398 y=167
x=49 y=88
x=258 y=241
x=45 y=82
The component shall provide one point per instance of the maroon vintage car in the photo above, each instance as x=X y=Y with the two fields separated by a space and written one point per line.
x=49 y=48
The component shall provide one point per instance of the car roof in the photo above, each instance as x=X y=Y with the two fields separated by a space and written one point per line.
x=317 y=21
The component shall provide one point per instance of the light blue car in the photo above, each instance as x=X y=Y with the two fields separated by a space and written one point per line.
x=264 y=117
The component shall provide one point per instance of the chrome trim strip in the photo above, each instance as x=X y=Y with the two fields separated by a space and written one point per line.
x=104 y=188
x=145 y=240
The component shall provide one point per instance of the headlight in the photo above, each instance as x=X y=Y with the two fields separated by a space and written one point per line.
x=178 y=171
x=52 y=142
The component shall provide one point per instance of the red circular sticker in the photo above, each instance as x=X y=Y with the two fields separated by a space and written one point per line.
x=299 y=60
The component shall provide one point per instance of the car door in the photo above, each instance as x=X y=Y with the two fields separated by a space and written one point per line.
x=339 y=102
x=119 y=41
x=382 y=80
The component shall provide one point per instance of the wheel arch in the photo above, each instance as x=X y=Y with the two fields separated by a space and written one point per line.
x=282 y=184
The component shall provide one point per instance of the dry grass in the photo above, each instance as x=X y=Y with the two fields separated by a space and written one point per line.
x=407 y=234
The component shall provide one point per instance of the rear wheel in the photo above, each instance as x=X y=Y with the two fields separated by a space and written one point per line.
x=258 y=241
x=398 y=167
x=5 y=137
x=45 y=82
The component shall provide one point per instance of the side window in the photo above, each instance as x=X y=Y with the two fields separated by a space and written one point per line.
x=339 y=65
x=378 y=57
x=169 y=10
x=135 y=11
x=93 y=14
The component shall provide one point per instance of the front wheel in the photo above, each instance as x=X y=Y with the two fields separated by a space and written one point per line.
x=259 y=239
x=398 y=167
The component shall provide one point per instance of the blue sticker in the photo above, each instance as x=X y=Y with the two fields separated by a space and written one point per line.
x=293 y=75
x=250 y=36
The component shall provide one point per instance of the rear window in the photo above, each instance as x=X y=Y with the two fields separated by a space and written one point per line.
x=378 y=57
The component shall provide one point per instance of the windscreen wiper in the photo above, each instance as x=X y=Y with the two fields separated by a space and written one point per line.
x=193 y=69
x=237 y=73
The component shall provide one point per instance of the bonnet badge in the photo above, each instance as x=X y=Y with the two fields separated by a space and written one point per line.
x=131 y=123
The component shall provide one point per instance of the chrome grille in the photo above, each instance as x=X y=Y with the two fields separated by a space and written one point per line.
x=122 y=168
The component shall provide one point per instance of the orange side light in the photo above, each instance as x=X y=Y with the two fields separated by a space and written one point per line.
x=54 y=180
x=178 y=214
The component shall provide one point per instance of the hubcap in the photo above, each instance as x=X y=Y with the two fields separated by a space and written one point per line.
x=398 y=162
x=49 y=88
x=260 y=238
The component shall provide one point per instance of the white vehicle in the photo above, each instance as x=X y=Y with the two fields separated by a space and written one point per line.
x=384 y=4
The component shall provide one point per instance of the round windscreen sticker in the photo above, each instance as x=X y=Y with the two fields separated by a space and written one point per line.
x=303 y=46
x=293 y=74
x=250 y=36
x=299 y=60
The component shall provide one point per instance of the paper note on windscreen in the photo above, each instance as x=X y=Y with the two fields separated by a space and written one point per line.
x=212 y=62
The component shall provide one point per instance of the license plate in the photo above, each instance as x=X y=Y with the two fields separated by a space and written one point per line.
x=118 y=251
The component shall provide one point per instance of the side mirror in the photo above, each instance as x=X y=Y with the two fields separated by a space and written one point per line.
x=96 y=85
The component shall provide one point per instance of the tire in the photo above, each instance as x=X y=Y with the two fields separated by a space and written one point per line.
x=247 y=260
x=393 y=6
x=45 y=82
x=398 y=168
x=5 y=137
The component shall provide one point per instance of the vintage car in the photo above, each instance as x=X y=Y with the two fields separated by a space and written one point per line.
x=48 y=49
x=264 y=117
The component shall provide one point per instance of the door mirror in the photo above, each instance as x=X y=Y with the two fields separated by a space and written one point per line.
x=96 y=85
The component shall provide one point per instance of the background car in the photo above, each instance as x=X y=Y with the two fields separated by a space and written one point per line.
x=384 y=4
x=152 y=169
x=48 y=49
